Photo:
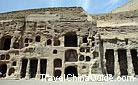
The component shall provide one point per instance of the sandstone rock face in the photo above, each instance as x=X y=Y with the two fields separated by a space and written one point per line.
x=62 y=41
x=130 y=6
x=119 y=31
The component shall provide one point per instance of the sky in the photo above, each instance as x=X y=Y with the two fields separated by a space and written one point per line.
x=91 y=6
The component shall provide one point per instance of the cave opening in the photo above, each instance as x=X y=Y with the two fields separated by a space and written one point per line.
x=109 y=56
x=71 y=55
x=57 y=73
x=3 y=70
x=37 y=38
x=88 y=58
x=56 y=42
x=70 y=39
x=134 y=60
x=54 y=51
x=81 y=58
x=33 y=68
x=82 y=49
x=16 y=45
x=23 y=68
x=7 y=56
x=49 y=42
x=57 y=63
x=2 y=57
x=122 y=59
x=70 y=71
x=5 y=43
x=85 y=39
x=14 y=63
x=43 y=66
x=87 y=49
x=11 y=71
x=26 y=40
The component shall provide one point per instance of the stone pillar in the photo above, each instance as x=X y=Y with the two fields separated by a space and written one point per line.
x=52 y=44
x=63 y=64
x=104 y=63
x=62 y=41
x=38 y=70
x=102 y=55
x=50 y=66
x=78 y=42
x=8 y=67
x=130 y=64
x=27 y=70
x=12 y=41
x=19 y=64
x=117 y=67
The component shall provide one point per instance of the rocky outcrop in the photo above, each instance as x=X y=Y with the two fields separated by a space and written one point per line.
x=130 y=6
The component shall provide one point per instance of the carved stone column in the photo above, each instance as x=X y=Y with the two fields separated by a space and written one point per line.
x=117 y=67
x=129 y=63
x=8 y=67
x=27 y=70
x=19 y=64
x=38 y=70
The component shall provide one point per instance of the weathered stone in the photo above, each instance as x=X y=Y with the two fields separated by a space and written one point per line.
x=58 y=41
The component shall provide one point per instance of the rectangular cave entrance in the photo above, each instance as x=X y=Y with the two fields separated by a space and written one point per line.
x=109 y=56
x=71 y=71
x=70 y=39
x=33 y=68
x=134 y=60
x=122 y=59
x=3 y=70
x=43 y=66
x=5 y=43
x=23 y=68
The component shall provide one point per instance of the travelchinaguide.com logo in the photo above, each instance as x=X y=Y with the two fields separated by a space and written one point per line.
x=84 y=78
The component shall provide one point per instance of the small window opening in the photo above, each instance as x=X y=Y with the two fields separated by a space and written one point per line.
x=87 y=50
x=85 y=39
x=14 y=63
x=49 y=42
x=11 y=71
x=81 y=58
x=54 y=51
x=37 y=39
x=88 y=58
x=26 y=40
x=82 y=49
x=57 y=63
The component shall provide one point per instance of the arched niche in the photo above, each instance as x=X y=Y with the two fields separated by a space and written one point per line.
x=70 y=39
x=5 y=42
x=71 y=55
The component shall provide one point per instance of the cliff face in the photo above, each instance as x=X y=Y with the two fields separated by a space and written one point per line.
x=130 y=6
x=116 y=22
x=46 y=36
x=24 y=13
x=55 y=41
